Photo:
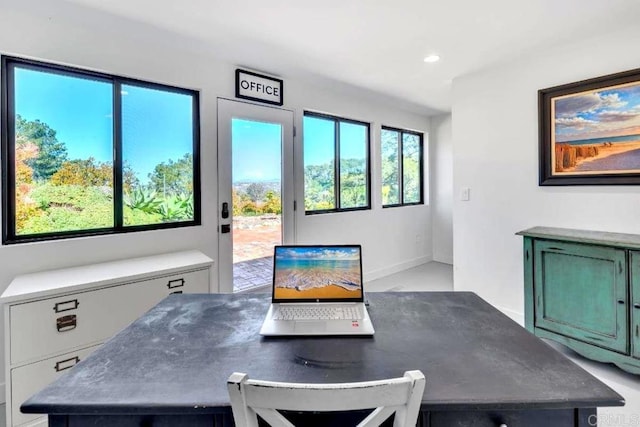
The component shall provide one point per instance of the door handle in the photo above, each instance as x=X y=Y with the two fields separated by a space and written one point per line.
x=225 y=210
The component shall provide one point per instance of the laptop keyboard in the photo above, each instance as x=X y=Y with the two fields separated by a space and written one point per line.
x=317 y=313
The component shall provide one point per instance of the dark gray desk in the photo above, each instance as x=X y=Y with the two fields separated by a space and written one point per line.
x=169 y=368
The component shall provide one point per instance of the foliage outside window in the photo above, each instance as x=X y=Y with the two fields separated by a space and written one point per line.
x=402 y=154
x=87 y=153
x=336 y=164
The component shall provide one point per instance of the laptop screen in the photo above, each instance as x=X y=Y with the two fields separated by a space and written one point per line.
x=317 y=273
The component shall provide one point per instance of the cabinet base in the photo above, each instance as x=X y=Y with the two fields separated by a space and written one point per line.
x=624 y=362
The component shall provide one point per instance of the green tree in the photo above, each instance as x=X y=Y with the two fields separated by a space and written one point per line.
x=389 y=154
x=273 y=203
x=173 y=177
x=84 y=172
x=256 y=191
x=411 y=168
x=319 y=186
x=353 y=183
x=51 y=152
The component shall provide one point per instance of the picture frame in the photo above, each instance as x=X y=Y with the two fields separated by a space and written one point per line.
x=589 y=131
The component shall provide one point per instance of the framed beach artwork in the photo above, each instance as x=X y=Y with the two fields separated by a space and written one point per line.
x=590 y=131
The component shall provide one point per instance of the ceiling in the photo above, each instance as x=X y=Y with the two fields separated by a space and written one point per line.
x=376 y=45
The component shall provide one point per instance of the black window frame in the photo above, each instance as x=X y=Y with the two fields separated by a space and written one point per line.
x=336 y=164
x=401 y=133
x=7 y=150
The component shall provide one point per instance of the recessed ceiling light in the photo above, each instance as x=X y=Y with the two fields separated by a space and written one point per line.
x=432 y=58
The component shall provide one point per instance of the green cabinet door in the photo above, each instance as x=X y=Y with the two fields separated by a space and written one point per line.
x=634 y=259
x=580 y=291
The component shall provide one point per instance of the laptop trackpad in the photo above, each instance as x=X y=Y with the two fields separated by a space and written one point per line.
x=309 y=327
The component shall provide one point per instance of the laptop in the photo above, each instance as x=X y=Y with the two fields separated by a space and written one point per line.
x=317 y=290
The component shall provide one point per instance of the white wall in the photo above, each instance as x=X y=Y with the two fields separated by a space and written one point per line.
x=392 y=238
x=495 y=153
x=441 y=146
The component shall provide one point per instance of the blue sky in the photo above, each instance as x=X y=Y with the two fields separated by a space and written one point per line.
x=598 y=114
x=257 y=152
x=156 y=125
x=319 y=139
x=323 y=253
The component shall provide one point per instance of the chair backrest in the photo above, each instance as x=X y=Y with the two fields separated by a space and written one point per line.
x=402 y=396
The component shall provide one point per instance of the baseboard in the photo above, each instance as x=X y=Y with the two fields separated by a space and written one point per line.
x=382 y=272
x=514 y=315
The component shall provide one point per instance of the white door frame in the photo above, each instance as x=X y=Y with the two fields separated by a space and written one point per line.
x=227 y=110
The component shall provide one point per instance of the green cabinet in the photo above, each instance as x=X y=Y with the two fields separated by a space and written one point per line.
x=582 y=289
x=634 y=260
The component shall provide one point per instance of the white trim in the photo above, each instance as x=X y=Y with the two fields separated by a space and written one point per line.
x=396 y=268
x=514 y=315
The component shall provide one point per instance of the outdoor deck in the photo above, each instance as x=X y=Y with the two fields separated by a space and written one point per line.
x=253 y=273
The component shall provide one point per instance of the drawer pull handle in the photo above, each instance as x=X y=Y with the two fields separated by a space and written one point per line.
x=66 y=364
x=175 y=283
x=176 y=292
x=620 y=301
x=636 y=305
x=66 y=323
x=66 y=306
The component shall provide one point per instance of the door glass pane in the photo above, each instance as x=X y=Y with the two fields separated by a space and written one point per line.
x=411 y=168
x=390 y=166
x=319 y=160
x=256 y=198
x=157 y=155
x=63 y=153
x=353 y=165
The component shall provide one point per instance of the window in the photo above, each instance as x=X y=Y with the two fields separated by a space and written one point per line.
x=86 y=153
x=336 y=164
x=402 y=164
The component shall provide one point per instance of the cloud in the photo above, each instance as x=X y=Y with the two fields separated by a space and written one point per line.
x=574 y=105
x=577 y=104
x=612 y=101
x=574 y=122
x=610 y=116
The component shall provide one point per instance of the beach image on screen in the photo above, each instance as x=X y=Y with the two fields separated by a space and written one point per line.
x=317 y=272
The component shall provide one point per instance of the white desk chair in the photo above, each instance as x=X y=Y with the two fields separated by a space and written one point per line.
x=402 y=396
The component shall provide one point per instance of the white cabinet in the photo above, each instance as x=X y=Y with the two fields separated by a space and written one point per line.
x=54 y=319
x=29 y=379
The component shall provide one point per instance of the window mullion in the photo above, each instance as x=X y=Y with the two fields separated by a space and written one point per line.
x=118 y=209
x=336 y=142
x=401 y=167
x=9 y=152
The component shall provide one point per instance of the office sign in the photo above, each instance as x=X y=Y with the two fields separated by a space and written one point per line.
x=258 y=87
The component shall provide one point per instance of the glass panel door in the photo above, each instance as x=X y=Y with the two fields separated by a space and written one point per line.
x=255 y=178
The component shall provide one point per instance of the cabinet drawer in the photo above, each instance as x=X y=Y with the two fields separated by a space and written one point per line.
x=29 y=379
x=525 y=418
x=47 y=327
x=195 y=282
